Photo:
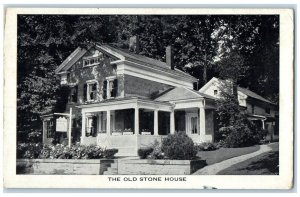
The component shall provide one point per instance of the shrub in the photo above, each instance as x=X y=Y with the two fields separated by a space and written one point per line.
x=157 y=152
x=242 y=134
x=179 y=146
x=59 y=151
x=29 y=150
x=207 y=146
x=110 y=153
x=144 y=152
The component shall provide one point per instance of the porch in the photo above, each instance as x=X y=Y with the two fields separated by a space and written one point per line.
x=130 y=124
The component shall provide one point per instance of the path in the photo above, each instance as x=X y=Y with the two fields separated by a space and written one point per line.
x=217 y=167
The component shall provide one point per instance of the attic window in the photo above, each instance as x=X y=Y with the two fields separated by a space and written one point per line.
x=215 y=92
x=91 y=61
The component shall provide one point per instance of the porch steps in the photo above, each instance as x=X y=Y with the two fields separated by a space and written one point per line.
x=112 y=170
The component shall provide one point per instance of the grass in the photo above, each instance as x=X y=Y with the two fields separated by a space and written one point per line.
x=264 y=164
x=222 y=154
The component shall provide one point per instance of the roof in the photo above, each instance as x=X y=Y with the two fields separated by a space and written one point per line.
x=122 y=54
x=180 y=93
x=245 y=91
x=253 y=95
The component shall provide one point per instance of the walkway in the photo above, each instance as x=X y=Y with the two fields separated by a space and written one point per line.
x=217 y=167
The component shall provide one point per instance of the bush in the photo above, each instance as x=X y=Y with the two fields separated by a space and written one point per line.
x=29 y=150
x=110 y=153
x=157 y=152
x=144 y=152
x=179 y=146
x=207 y=146
x=59 y=151
x=242 y=134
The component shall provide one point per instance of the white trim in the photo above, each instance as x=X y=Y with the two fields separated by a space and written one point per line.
x=125 y=69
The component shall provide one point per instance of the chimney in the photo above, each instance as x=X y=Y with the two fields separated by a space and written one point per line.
x=134 y=44
x=169 y=57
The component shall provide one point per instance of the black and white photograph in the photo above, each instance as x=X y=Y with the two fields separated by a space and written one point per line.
x=178 y=95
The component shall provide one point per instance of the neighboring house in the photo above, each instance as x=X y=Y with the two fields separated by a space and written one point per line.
x=126 y=101
x=261 y=111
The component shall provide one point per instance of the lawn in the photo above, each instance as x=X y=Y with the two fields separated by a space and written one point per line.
x=222 y=154
x=264 y=164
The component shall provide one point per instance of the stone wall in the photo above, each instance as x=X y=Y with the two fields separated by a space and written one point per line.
x=63 y=166
x=159 y=167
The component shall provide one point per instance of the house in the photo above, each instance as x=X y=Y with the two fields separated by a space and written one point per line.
x=127 y=101
x=261 y=111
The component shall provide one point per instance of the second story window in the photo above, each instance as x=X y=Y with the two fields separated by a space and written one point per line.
x=73 y=94
x=110 y=87
x=90 y=91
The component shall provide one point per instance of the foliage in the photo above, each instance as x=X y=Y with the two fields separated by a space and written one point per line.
x=110 y=153
x=179 y=146
x=28 y=150
x=242 y=134
x=206 y=146
x=59 y=151
x=144 y=152
x=157 y=152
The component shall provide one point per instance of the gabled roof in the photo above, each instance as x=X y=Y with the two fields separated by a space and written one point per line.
x=253 y=95
x=122 y=54
x=180 y=93
x=245 y=91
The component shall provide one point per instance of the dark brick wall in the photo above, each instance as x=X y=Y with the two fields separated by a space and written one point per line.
x=135 y=86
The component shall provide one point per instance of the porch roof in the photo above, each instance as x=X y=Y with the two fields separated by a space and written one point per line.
x=181 y=93
x=125 y=103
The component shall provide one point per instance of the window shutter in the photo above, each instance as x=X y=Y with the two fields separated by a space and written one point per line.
x=74 y=93
x=94 y=126
x=104 y=89
x=115 y=88
x=85 y=92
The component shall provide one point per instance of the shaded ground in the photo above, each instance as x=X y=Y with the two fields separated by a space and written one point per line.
x=264 y=164
x=222 y=154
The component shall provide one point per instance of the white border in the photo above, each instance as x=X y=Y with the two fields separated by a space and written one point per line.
x=283 y=181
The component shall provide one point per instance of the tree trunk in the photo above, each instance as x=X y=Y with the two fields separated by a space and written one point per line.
x=205 y=69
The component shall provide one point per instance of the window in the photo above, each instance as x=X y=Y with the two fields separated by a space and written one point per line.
x=49 y=128
x=73 y=94
x=90 y=91
x=91 y=129
x=110 y=88
x=268 y=110
x=252 y=108
x=215 y=92
x=91 y=61
x=194 y=125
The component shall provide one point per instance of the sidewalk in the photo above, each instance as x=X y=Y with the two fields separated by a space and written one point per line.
x=217 y=167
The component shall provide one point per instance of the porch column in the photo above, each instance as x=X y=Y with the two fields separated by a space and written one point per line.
x=136 y=121
x=202 y=123
x=172 y=122
x=155 y=122
x=263 y=124
x=108 y=131
x=83 y=127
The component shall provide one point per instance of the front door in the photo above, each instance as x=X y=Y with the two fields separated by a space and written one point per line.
x=192 y=123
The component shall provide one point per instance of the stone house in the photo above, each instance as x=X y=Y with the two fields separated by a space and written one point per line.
x=127 y=101
x=261 y=111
